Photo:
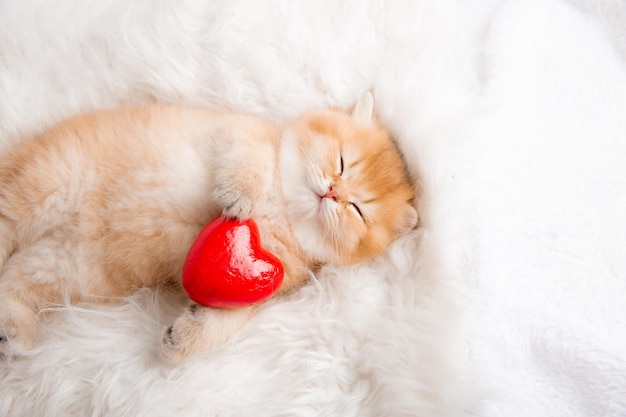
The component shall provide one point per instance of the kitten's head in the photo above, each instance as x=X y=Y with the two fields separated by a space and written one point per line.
x=347 y=191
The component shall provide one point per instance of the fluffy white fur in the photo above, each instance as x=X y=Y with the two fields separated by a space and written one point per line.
x=511 y=112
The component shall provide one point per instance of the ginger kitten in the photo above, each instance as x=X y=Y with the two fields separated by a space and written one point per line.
x=108 y=202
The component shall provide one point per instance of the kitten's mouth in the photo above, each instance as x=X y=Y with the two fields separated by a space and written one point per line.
x=324 y=207
x=320 y=203
x=317 y=194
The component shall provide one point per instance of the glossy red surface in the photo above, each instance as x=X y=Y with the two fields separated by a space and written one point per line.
x=226 y=266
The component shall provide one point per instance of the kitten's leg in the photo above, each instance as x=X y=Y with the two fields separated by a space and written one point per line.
x=32 y=278
x=243 y=175
x=7 y=238
x=201 y=329
x=17 y=326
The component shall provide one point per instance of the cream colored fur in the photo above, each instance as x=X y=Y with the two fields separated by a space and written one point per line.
x=105 y=203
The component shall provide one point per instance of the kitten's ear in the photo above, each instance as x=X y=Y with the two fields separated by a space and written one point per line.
x=363 y=111
x=408 y=220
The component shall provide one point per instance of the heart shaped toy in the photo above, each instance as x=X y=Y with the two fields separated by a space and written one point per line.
x=226 y=266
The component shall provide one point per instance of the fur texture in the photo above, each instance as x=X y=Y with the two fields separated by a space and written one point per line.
x=109 y=202
x=511 y=112
x=328 y=348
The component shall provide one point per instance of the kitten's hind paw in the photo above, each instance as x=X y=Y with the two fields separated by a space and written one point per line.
x=199 y=330
x=184 y=338
x=169 y=347
x=17 y=330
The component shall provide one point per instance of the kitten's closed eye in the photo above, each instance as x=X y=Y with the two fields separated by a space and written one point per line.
x=340 y=165
x=357 y=210
x=349 y=167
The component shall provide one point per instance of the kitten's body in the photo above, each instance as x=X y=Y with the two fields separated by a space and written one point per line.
x=108 y=202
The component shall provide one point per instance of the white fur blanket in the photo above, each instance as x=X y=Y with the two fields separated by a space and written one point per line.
x=509 y=301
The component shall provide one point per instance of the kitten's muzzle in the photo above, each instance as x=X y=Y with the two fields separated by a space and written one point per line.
x=331 y=193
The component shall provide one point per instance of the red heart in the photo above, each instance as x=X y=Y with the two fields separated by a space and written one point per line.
x=227 y=267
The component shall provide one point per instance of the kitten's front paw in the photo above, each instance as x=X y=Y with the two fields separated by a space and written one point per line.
x=17 y=329
x=235 y=204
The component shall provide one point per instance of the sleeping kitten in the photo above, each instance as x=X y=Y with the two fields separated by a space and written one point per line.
x=108 y=202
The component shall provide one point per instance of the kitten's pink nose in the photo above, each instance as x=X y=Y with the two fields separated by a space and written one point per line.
x=331 y=193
